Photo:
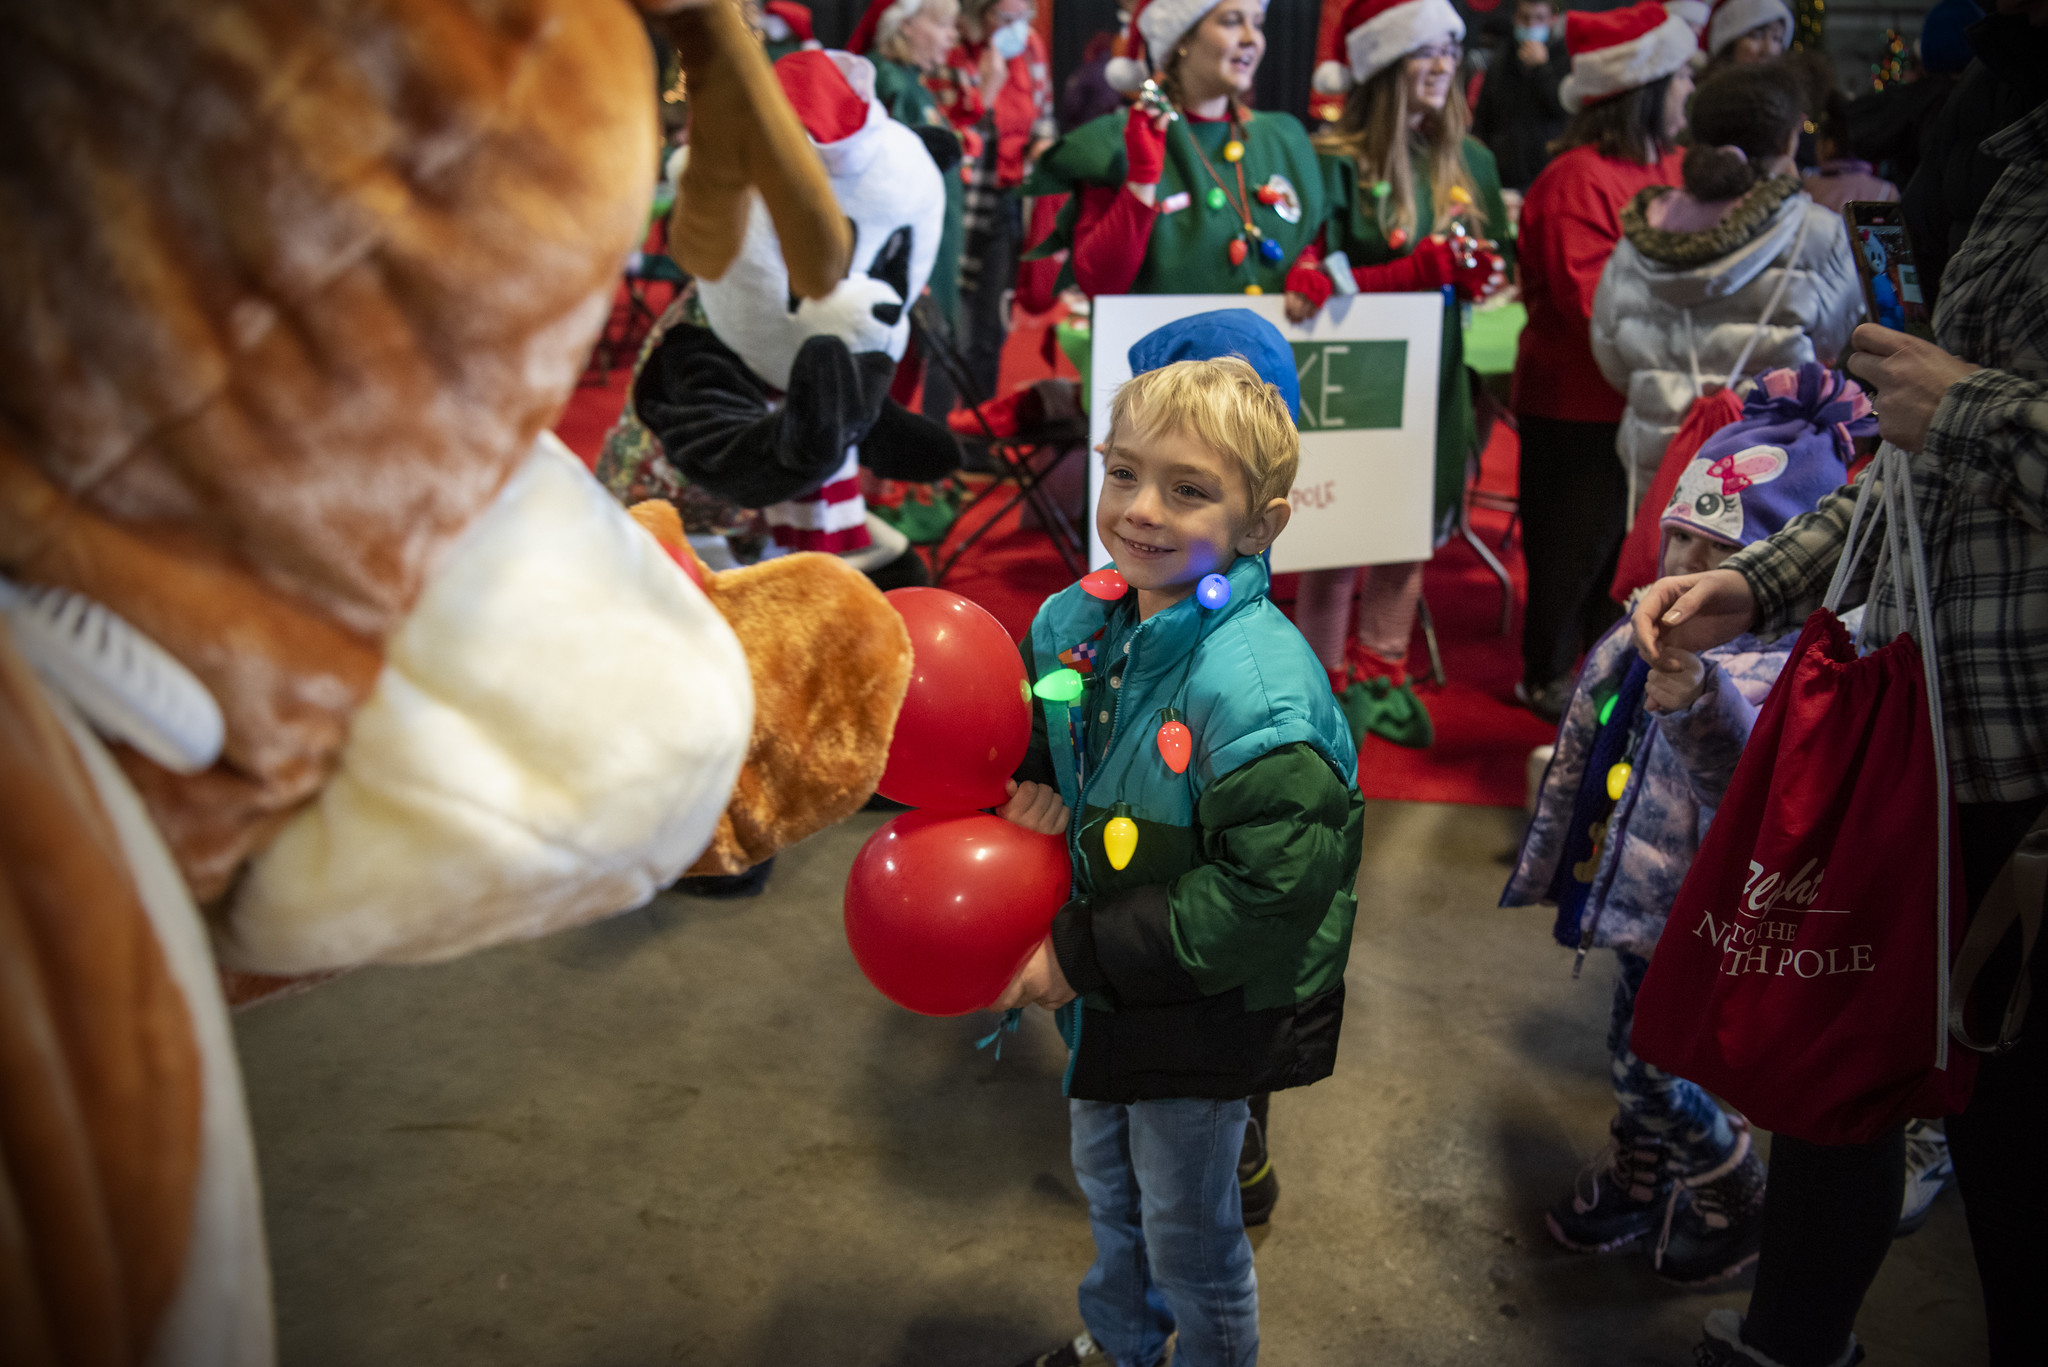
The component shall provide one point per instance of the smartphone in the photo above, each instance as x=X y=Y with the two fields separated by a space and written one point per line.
x=1884 y=261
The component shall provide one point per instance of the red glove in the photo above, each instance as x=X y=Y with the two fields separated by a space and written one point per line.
x=1487 y=273
x=1307 y=279
x=1144 y=149
x=1428 y=267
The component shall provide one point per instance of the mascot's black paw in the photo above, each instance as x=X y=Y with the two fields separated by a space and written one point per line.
x=905 y=446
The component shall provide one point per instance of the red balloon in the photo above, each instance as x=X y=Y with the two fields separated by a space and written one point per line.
x=966 y=719
x=943 y=907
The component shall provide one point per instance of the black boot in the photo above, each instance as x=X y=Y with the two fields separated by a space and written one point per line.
x=1257 y=1186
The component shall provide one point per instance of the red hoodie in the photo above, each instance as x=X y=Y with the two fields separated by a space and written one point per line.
x=1571 y=222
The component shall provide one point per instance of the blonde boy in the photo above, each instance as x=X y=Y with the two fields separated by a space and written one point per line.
x=1205 y=963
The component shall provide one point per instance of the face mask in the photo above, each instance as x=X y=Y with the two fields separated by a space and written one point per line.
x=1009 y=41
x=1538 y=33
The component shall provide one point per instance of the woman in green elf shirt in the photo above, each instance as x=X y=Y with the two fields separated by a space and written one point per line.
x=1415 y=205
x=1195 y=193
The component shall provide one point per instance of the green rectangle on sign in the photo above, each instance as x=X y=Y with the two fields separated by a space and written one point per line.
x=1346 y=386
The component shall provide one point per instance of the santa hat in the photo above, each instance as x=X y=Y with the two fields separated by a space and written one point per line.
x=783 y=20
x=1156 y=27
x=1620 y=50
x=1733 y=18
x=883 y=17
x=833 y=94
x=1375 y=34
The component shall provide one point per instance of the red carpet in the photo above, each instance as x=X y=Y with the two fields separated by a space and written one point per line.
x=1482 y=738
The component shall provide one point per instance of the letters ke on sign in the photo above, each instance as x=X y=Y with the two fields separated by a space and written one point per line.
x=1350 y=386
x=1368 y=367
x=1772 y=905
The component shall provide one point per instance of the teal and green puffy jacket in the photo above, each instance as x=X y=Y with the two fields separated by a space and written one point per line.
x=1212 y=965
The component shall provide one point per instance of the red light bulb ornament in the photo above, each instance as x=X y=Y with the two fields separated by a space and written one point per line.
x=1105 y=584
x=1176 y=745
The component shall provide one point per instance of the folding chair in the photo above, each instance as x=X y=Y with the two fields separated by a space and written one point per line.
x=1026 y=460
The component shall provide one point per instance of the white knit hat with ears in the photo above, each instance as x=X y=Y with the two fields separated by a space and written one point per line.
x=1156 y=26
x=1375 y=34
x=1733 y=18
x=1615 y=51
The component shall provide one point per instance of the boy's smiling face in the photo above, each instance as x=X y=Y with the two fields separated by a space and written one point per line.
x=1173 y=509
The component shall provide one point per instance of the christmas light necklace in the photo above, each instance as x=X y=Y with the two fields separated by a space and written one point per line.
x=1220 y=196
x=1173 y=739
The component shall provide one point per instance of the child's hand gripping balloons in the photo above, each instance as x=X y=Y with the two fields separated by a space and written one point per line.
x=966 y=719
x=943 y=907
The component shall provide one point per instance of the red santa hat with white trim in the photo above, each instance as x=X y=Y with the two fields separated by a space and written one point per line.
x=1619 y=50
x=1157 y=26
x=1375 y=34
x=783 y=20
x=1733 y=18
x=881 y=18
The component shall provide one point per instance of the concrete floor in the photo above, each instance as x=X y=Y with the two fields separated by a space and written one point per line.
x=693 y=1134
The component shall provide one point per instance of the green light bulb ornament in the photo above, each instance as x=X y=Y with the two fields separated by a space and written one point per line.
x=1061 y=686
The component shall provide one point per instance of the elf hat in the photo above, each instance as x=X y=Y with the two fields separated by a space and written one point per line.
x=1375 y=34
x=1224 y=332
x=1156 y=27
x=1789 y=449
x=882 y=18
x=1619 y=50
x=1733 y=18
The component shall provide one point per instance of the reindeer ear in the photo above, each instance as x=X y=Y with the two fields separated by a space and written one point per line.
x=1760 y=464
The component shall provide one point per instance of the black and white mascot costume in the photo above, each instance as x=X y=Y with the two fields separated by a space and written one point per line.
x=778 y=401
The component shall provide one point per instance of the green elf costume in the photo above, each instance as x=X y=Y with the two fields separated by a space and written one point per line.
x=1238 y=197
x=1373 y=242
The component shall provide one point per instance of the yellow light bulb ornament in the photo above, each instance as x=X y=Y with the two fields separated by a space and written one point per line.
x=1120 y=836
x=1617 y=780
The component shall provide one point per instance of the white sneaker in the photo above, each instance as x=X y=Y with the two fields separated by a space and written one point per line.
x=1929 y=1170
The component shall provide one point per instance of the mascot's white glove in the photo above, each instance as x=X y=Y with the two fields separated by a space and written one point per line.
x=848 y=313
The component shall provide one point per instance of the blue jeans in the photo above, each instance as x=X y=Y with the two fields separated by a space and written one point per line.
x=1694 y=1129
x=1170 y=1247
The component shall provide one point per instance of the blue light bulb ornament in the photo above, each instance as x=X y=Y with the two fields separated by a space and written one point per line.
x=1270 y=249
x=1213 y=592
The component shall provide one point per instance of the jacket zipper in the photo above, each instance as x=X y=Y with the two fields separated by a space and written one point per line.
x=1073 y=1029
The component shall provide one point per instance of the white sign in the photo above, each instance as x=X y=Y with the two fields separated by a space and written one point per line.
x=1368 y=365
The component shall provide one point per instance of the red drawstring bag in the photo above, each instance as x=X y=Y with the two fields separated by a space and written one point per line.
x=1803 y=974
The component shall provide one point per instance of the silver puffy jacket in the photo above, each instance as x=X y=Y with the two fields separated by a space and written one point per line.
x=1678 y=309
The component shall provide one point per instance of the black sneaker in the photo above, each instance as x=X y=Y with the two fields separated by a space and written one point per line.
x=1615 y=1200
x=1722 y=1346
x=1081 y=1351
x=1713 y=1226
x=724 y=887
x=1258 y=1189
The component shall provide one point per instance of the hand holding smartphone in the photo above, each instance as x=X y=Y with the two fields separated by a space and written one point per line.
x=1884 y=263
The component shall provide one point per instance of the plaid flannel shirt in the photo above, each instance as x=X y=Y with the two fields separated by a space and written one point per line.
x=1982 y=489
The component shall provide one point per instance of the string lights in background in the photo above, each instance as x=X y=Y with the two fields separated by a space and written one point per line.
x=1809 y=25
x=1892 y=65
